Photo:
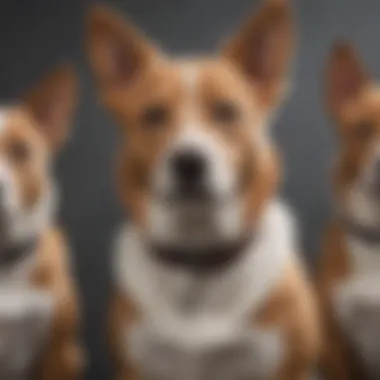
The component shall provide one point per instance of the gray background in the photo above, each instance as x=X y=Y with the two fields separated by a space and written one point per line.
x=37 y=34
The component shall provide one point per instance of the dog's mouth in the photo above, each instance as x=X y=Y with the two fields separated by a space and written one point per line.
x=196 y=196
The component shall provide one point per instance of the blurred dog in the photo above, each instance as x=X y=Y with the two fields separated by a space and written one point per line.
x=38 y=308
x=350 y=268
x=208 y=282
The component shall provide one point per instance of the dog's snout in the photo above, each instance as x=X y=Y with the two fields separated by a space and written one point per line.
x=188 y=166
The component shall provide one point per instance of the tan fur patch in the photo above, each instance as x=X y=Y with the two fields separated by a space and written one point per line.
x=63 y=356
x=292 y=309
x=338 y=360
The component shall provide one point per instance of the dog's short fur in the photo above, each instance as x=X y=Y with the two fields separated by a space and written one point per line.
x=350 y=268
x=258 y=312
x=38 y=307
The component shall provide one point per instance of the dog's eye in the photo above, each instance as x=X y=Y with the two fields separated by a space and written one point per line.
x=19 y=151
x=225 y=112
x=155 y=115
x=364 y=130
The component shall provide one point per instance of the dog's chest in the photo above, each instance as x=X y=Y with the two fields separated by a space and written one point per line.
x=357 y=304
x=203 y=330
x=25 y=319
x=244 y=353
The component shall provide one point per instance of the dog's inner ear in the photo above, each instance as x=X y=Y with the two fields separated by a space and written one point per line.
x=262 y=50
x=117 y=51
x=346 y=78
x=52 y=104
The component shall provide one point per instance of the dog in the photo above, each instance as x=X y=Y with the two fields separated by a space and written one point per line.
x=38 y=305
x=208 y=283
x=350 y=264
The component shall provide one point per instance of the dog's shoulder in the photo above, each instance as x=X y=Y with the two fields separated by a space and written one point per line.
x=334 y=264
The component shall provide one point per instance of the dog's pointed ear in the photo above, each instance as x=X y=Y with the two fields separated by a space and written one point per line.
x=346 y=77
x=263 y=48
x=117 y=51
x=52 y=103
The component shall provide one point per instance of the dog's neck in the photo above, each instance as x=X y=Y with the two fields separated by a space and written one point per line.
x=202 y=260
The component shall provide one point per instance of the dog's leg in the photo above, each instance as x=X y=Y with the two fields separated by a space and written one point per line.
x=122 y=315
x=62 y=358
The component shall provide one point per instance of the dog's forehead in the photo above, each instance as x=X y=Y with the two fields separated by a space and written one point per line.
x=213 y=76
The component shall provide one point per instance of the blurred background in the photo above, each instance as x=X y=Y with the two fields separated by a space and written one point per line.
x=35 y=35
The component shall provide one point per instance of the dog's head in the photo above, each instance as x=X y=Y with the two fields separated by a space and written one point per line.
x=30 y=134
x=354 y=102
x=196 y=161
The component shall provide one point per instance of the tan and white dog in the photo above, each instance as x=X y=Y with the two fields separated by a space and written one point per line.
x=208 y=281
x=38 y=307
x=349 y=278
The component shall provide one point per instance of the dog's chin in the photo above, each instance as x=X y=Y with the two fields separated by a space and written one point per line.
x=194 y=219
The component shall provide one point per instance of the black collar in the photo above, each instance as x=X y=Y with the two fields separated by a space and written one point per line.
x=15 y=252
x=202 y=260
x=367 y=234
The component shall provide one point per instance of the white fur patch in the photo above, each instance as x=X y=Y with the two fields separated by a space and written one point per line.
x=190 y=75
x=222 y=301
x=170 y=225
x=248 y=355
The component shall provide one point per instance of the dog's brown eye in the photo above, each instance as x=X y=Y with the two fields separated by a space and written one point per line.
x=155 y=115
x=19 y=151
x=225 y=112
x=364 y=130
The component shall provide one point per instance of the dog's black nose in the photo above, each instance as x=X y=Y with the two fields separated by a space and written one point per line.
x=188 y=166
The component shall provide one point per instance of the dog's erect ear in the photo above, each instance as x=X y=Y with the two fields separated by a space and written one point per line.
x=52 y=103
x=263 y=50
x=117 y=51
x=346 y=77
